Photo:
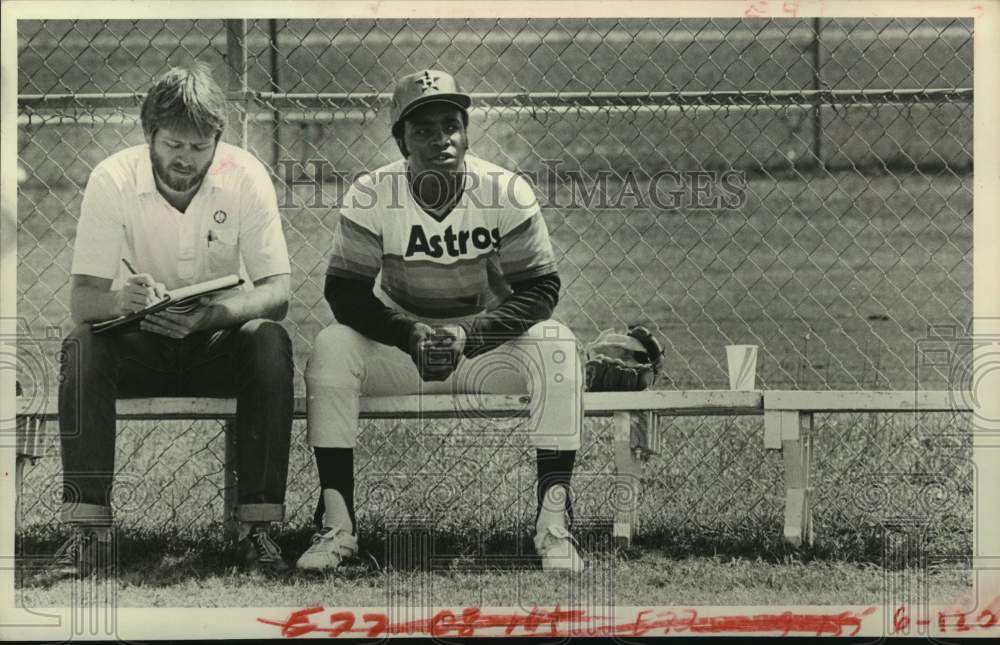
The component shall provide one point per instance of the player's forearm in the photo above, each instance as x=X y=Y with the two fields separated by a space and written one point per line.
x=354 y=304
x=532 y=302
x=87 y=304
x=268 y=299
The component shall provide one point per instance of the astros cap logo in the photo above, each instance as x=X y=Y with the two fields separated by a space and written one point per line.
x=428 y=82
x=420 y=88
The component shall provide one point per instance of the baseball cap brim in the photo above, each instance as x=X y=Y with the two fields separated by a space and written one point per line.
x=461 y=101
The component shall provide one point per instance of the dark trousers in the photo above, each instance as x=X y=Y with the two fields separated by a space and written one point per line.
x=252 y=363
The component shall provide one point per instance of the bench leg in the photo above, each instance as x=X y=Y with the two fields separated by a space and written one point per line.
x=628 y=474
x=28 y=439
x=796 y=448
x=18 y=498
x=230 y=527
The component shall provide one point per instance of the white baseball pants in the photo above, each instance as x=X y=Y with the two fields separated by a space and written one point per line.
x=544 y=363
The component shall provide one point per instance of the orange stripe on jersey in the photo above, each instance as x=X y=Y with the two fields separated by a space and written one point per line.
x=356 y=251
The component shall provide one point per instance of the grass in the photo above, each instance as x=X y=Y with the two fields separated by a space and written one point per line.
x=711 y=491
x=158 y=571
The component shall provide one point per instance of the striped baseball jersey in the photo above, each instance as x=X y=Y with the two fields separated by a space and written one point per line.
x=455 y=266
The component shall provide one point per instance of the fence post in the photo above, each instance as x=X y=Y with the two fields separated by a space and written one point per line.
x=272 y=34
x=817 y=107
x=236 y=68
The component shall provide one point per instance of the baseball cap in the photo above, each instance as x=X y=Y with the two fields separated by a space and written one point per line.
x=427 y=86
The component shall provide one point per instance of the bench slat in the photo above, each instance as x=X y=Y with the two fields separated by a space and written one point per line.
x=868 y=401
x=670 y=402
x=441 y=405
x=444 y=406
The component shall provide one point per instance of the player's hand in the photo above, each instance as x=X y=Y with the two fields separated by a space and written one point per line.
x=138 y=292
x=432 y=362
x=179 y=325
x=451 y=338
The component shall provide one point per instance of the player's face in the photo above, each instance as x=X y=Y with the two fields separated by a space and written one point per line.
x=181 y=157
x=436 y=139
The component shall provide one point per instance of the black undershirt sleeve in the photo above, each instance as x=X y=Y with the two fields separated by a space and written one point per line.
x=532 y=302
x=354 y=304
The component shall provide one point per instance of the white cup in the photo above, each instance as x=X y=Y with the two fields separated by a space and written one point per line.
x=742 y=360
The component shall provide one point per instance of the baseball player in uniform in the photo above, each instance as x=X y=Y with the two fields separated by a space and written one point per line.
x=442 y=280
x=181 y=209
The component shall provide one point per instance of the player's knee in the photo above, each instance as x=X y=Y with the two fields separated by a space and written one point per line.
x=551 y=330
x=559 y=351
x=337 y=356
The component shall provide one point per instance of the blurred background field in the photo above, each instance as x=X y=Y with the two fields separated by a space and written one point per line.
x=854 y=238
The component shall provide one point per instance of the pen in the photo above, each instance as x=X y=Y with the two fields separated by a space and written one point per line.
x=132 y=270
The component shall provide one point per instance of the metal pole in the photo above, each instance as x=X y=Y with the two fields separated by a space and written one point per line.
x=272 y=32
x=236 y=64
x=817 y=109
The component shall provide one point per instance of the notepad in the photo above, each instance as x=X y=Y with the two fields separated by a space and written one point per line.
x=180 y=300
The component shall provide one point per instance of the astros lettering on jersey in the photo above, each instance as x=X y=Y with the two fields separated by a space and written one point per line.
x=452 y=267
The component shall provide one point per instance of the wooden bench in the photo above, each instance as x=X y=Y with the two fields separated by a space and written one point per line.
x=788 y=427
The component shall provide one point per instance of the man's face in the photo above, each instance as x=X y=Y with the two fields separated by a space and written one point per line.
x=181 y=157
x=436 y=139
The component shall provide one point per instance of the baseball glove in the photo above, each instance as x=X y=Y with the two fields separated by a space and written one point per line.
x=623 y=362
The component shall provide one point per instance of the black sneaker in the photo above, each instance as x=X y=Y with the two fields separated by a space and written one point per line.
x=258 y=552
x=85 y=552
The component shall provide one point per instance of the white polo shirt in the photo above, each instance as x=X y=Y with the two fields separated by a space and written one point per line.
x=233 y=216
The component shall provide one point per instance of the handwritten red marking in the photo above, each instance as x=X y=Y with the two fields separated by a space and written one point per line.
x=472 y=620
x=757 y=9
x=343 y=621
x=222 y=166
x=986 y=618
x=379 y=623
x=298 y=623
x=791 y=7
x=900 y=621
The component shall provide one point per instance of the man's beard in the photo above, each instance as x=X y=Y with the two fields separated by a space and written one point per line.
x=175 y=182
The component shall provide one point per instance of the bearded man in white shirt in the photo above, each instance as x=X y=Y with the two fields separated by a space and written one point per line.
x=181 y=209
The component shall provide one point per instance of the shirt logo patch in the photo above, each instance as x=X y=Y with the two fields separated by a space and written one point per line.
x=220 y=217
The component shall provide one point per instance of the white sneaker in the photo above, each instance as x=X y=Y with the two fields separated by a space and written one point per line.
x=328 y=550
x=554 y=545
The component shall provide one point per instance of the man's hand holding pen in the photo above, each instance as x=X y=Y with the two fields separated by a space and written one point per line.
x=139 y=291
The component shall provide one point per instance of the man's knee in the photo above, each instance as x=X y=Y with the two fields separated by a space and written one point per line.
x=83 y=352
x=267 y=345
x=337 y=356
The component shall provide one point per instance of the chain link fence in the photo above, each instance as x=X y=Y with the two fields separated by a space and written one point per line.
x=804 y=185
